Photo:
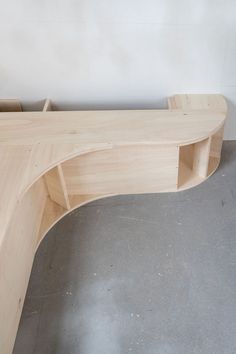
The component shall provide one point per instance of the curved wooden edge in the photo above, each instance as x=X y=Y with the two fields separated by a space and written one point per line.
x=69 y=176
x=54 y=212
x=50 y=149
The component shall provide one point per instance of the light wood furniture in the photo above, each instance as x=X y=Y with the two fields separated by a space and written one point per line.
x=54 y=161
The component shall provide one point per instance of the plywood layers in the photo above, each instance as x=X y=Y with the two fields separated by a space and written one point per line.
x=123 y=170
x=53 y=162
x=16 y=258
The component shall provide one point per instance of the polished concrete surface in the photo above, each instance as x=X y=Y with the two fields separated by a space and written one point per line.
x=146 y=274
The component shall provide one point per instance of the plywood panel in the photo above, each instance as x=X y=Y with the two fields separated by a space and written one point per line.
x=216 y=143
x=54 y=212
x=47 y=106
x=133 y=169
x=201 y=157
x=209 y=102
x=121 y=127
x=57 y=187
x=16 y=258
x=102 y=153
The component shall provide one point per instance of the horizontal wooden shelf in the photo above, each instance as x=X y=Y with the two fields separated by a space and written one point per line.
x=55 y=161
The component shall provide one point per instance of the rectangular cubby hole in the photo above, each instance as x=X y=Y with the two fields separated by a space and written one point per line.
x=193 y=163
x=198 y=161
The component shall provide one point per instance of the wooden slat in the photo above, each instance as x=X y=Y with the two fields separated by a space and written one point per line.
x=201 y=157
x=123 y=170
x=47 y=106
x=57 y=187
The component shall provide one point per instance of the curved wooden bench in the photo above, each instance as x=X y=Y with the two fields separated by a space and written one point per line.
x=53 y=162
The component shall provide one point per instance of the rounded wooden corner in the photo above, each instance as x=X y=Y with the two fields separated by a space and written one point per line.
x=54 y=162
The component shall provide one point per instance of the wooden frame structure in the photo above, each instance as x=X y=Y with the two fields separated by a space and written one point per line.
x=52 y=162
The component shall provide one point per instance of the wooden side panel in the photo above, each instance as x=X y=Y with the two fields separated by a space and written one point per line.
x=123 y=170
x=216 y=143
x=10 y=106
x=16 y=258
x=57 y=187
x=206 y=154
x=215 y=150
x=187 y=174
x=196 y=102
x=201 y=157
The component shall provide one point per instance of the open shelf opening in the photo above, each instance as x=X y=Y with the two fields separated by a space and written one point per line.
x=193 y=163
x=187 y=175
x=198 y=161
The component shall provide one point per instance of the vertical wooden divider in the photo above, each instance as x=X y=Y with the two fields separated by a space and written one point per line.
x=54 y=178
x=56 y=185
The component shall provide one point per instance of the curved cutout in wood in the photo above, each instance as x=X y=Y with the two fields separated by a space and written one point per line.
x=53 y=162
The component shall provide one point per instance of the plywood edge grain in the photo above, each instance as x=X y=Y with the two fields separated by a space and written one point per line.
x=56 y=162
x=211 y=102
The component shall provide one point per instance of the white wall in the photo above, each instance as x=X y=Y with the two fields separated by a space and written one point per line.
x=118 y=53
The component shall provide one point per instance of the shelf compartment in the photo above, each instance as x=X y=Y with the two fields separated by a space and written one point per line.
x=193 y=163
x=56 y=186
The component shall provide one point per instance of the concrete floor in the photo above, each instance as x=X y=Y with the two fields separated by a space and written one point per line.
x=146 y=274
